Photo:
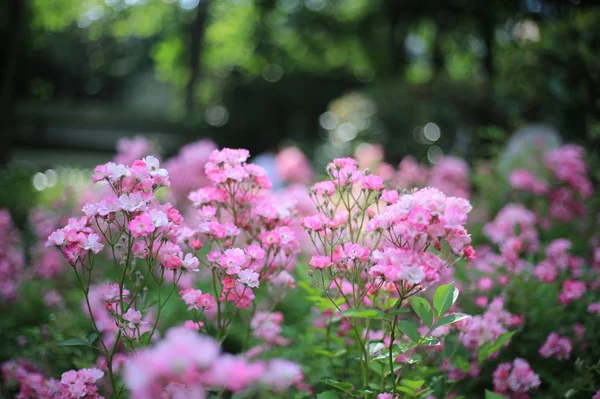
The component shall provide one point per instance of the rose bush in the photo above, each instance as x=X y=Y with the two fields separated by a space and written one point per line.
x=195 y=279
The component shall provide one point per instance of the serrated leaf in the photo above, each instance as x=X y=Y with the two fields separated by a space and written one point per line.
x=363 y=313
x=451 y=318
x=444 y=298
x=493 y=395
x=410 y=329
x=423 y=309
x=74 y=342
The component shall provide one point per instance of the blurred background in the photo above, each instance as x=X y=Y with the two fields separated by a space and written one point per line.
x=422 y=77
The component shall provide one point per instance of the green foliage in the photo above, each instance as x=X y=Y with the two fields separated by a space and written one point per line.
x=423 y=309
x=444 y=298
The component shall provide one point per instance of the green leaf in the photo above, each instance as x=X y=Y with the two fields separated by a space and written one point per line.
x=449 y=319
x=328 y=395
x=493 y=395
x=327 y=353
x=444 y=298
x=342 y=386
x=462 y=363
x=145 y=338
x=74 y=342
x=429 y=341
x=92 y=338
x=423 y=309
x=398 y=311
x=307 y=287
x=410 y=329
x=408 y=391
x=366 y=391
x=363 y=313
x=491 y=347
x=414 y=384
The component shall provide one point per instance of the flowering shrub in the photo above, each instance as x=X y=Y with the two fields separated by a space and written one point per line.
x=348 y=288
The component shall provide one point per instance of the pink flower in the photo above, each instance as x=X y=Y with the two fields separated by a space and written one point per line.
x=56 y=238
x=571 y=291
x=522 y=179
x=320 y=261
x=516 y=377
x=133 y=317
x=390 y=196
x=556 y=346
x=419 y=217
x=193 y=325
x=92 y=243
x=293 y=166
x=324 y=188
x=141 y=225
x=594 y=307
x=372 y=182
x=81 y=383
x=267 y=327
x=233 y=259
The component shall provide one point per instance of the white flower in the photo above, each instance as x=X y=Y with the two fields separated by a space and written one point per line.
x=249 y=278
x=153 y=167
x=92 y=243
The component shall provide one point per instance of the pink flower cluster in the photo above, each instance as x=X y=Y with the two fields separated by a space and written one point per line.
x=186 y=169
x=567 y=164
x=186 y=364
x=515 y=379
x=246 y=228
x=525 y=180
x=514 y=231
x=450 y=175
x=197 y=300
x=374 y=246
x=130 y=149
x=130 y=210
x=12 y=258
x=557 y=347
x=47 y=262
x=571 y=291
x=266 y=326
x=557 y=261
x=569 y=184
x=480 y=329
x=410 y=224
x=34 y=385
x=293 y=166
x=81 y=384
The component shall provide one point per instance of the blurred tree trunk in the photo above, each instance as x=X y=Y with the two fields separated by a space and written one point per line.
x=197 y=30
x=439 y=61
x=14 y=37
x=487 y=32
x=396 y=44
